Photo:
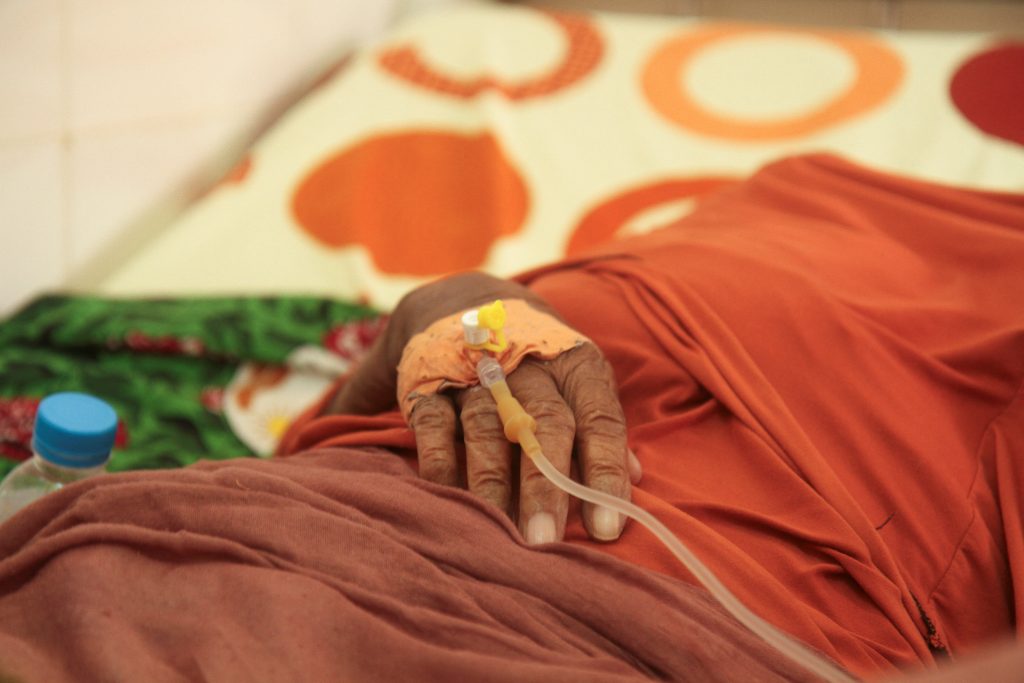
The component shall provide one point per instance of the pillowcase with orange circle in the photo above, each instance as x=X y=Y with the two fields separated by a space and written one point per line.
x=500 y=137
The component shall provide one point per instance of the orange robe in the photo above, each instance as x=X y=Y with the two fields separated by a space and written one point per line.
x=821 y=370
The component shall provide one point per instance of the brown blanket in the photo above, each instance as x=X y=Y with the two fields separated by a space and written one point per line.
x=335 y=565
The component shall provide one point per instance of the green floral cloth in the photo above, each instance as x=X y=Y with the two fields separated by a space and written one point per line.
x=161 y=363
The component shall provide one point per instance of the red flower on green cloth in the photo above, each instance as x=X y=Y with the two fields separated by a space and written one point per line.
x=212 y=398
x=17 y=416
x=167 y=344
x=352 y=340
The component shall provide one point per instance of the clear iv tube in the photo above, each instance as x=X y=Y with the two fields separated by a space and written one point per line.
x=773 y=636
x=492 y=377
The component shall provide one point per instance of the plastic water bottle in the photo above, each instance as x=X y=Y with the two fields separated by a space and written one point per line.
x=71 y=440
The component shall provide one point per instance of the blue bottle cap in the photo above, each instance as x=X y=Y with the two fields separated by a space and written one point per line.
x=74 y=430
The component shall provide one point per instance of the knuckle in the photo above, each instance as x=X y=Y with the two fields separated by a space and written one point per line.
x=433 y=455
x=590 y=352
x=586 y=371
x=480 y=414
x=492 y=485
x=608 y=474
x=475 y=394
x=586 y=355
x=596 y=387
x=481 y=425
x=432 y=414
x=490 y=474
x=551 y=410
x=535 y=486
x=601 y=418
x=435 y=463
x=488 y=440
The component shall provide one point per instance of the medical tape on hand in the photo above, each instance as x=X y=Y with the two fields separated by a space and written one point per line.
x=438 y=359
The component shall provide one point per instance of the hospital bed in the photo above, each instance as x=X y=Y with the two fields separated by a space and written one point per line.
x=491 y=137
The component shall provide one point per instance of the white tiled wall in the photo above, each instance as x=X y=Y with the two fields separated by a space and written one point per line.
x=113 y=111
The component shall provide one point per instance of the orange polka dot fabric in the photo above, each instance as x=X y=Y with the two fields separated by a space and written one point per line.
x=878 y=71
x=385 y=195
x=583 y=48
x=988 y=89
x=498 y=137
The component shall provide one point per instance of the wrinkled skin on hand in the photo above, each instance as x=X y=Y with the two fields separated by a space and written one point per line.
x=573 y=398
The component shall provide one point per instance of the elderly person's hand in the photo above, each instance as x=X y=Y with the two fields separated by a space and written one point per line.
x=572 y=397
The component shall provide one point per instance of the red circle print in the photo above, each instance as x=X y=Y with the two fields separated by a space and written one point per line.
x=988 y=89
x=421 y=202
x=583 y=53
x=601 y=223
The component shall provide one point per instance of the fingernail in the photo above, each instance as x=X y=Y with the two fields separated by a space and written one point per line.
x=607 y=523
x=540 y=529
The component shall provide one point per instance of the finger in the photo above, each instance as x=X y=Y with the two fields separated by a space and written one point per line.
x=543 y=506
x=636 y=470
x=433 y=421
x=586 y=381
x=488 y=452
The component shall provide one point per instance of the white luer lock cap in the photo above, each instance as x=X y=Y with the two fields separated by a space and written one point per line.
x=471 y=330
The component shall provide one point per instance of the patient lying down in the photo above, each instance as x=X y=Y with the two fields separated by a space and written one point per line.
x=814 y=381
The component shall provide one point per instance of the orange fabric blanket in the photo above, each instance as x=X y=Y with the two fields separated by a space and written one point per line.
x=336 y=565
x=821 y=370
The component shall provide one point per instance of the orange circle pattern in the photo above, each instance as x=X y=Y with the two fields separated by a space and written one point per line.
x=422 y=203
x=584 y=52
x=879 y=72
x=601 y=224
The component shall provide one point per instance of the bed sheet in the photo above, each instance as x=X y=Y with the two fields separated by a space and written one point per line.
x=879 y=547
x=498 y=138
x=190 y=378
